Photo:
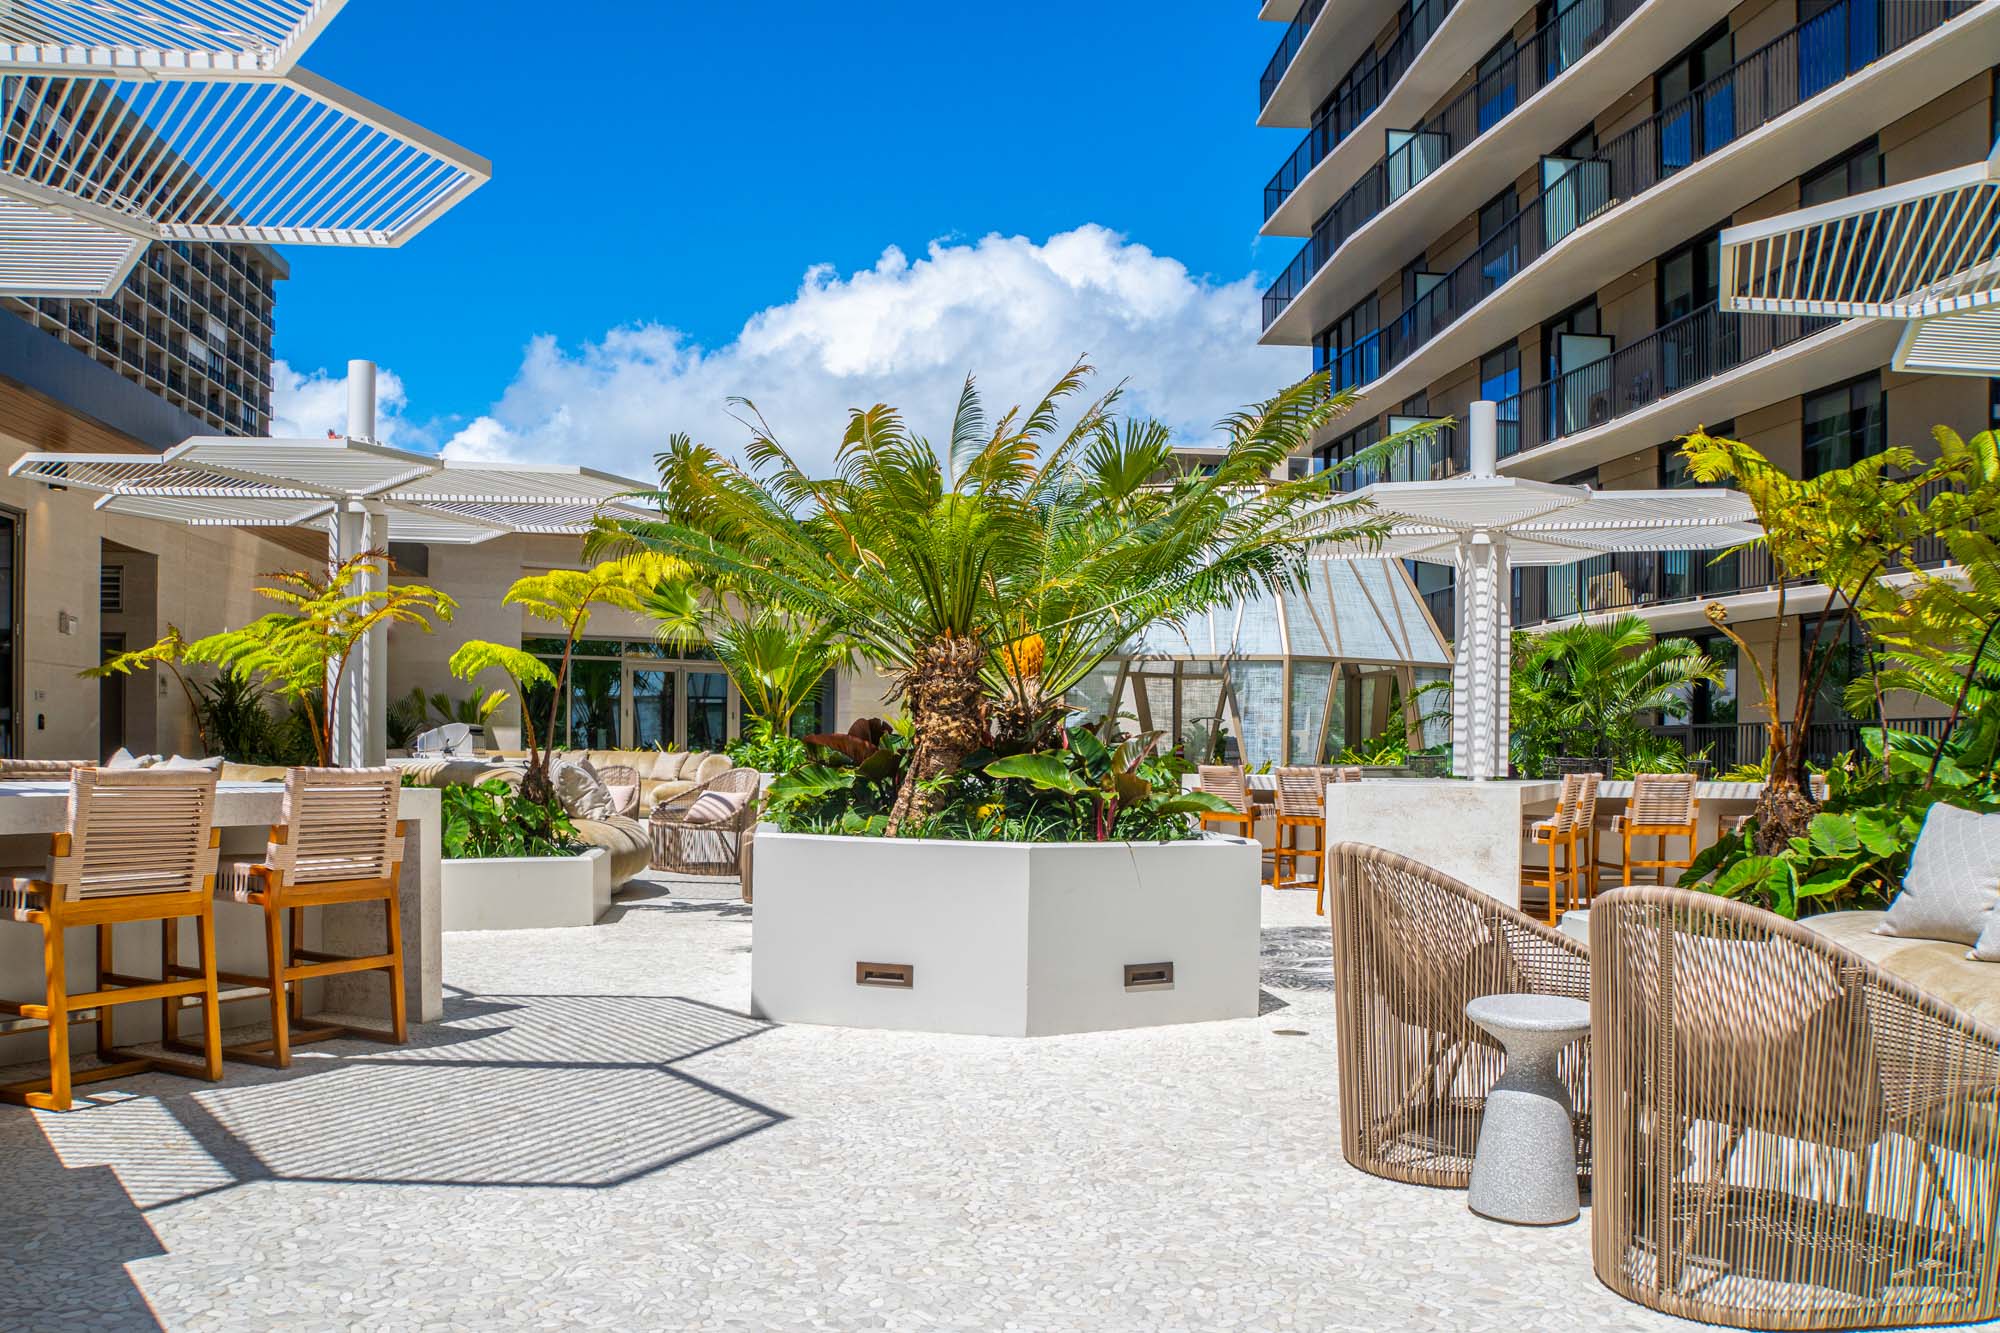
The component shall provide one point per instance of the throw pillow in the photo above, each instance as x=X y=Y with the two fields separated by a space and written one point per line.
x=579 y=788
x=712 y=767
x=624 y=797
x=667 y=765
x=714 y=807
x=1953 y=883
x=124 y=758
x=180 y=764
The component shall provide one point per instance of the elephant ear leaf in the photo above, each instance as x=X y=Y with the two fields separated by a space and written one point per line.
x=811 y=782
x=1195 y=803
x=1047 y=772
x=1833 y=835
x=1880 y=831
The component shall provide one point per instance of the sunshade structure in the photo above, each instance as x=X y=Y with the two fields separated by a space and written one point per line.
x=124 y=122
x=1926 y=252
x=1482 y=525
x=1285 y=677
x=362 y=495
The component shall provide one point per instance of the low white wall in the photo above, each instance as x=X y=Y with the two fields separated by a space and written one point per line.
x=526 y=892
x=1004 y=939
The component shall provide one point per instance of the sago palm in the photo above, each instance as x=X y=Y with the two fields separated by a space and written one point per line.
x=990 y=574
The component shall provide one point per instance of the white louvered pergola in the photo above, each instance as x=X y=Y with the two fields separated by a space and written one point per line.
x=1482 y=525
x=124 y=122
x=361 y=494
x=1926 y=252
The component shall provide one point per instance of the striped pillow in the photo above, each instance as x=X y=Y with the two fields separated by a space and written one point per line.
x=714 y=807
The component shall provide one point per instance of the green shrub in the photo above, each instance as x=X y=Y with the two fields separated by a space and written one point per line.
x=492 y=819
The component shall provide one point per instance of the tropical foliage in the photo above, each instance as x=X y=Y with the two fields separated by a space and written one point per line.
x=169 y=653
x=1094 y=787
x=1938 y=638
x=1585 y=690
x=1846 y=529
x=776 y=660
x=566 y=599
x=990 y=573
x=492 y=820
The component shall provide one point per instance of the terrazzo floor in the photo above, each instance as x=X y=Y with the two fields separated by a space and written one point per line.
x=596 y=1136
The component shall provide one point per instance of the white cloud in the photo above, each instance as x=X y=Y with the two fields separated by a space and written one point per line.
x=1010 y=310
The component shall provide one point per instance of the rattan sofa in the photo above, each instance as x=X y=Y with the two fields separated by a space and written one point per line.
x=1410 y=946
x=1787 y=1135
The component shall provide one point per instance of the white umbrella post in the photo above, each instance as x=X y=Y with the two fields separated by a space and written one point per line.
x=1482 y=654
x=361 y=703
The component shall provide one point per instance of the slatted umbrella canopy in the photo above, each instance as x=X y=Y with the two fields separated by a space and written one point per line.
x=1482 y=525
x=362 y=495
x=1926 y=252
x=124 y=122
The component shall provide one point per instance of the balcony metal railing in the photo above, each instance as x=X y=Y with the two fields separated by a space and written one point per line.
x=1729 y=744
x=1673 y=357
x=1778 y=77
x=1365 y=87
x=1534 y=63
x=1288 y=48
x=1642 y=579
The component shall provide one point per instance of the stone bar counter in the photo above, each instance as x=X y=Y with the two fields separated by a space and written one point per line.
x=30 y=811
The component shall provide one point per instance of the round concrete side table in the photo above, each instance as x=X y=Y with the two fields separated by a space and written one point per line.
x=1524 y=1170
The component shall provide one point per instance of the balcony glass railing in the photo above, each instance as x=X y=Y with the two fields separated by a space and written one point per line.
x=1364 y=88
x=1674 y=357
x=1775 y=79
x=1415 y=154
x=1288 y=48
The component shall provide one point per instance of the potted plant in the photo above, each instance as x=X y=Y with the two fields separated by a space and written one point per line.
x=508 y=867
x=973 y=845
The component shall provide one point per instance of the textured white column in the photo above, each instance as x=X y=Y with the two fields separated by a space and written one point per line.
x=360 y=706
x=1481 y=658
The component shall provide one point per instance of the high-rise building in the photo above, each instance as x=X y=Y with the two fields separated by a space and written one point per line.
x=192 y=324
x=1521 y=202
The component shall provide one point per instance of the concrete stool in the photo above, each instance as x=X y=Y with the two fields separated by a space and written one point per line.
x=1525 y=1168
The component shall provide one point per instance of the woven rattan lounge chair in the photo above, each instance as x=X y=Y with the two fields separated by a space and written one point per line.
x=1228 y=782
x=141 y=846
x=1410 y=946
x=1301 y=807
x=340 y=842
x=719 y=847
x=1787 y=1136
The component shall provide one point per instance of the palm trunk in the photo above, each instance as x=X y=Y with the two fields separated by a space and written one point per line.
x=948 y=708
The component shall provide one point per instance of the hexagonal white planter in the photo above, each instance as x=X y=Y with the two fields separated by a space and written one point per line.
x=525 y=892
x=1004 y=939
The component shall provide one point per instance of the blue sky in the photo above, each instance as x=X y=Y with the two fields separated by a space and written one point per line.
x=679 y=167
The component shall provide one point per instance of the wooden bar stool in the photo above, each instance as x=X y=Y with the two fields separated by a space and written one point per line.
x=1663 y=806
x=1301 y=805
x=141 y=846
x=1586 y=835
x=1228 y=782
x=340 y=842
x=1563 y=837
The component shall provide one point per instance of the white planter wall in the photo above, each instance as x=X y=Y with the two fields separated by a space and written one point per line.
x=1005 y=939
x=526 y=892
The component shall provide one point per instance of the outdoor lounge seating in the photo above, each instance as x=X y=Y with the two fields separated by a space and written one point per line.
x=1787 y=1136
x=709 y=831
x=1565 y=838
x=141 y=847
x=1301 y=806
x=340 y=842
x=1410 y=947
x=1228 y=782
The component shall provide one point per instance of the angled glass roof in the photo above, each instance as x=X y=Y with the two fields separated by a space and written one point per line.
x=1350 y=610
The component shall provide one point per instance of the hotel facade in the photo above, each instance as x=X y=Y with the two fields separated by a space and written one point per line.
x=1522 y=201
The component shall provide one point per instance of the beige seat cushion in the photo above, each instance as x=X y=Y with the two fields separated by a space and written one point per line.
x=1937 y=967
x=666 y=791
x=18 y=896
x=253 y=772
x=629 y=842
x=713 y=766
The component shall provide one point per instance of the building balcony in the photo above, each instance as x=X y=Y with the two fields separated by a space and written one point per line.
x=1480 y=143
x=1731 y=744
x=1313 y=55
x=1801 y=98
x=1436 y=41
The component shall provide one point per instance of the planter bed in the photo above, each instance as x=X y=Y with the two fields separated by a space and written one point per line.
x=526 y=892
x=1004 y=939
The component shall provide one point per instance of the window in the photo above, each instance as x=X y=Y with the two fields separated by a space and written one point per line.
x=1844 y=423
x=1858 y=169
x=1688 y=278
x=1498 y=240
x=1499 y=89
x=1351 y=346
x=1500 y=381
x=1697 y=107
